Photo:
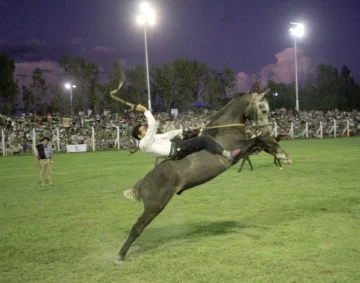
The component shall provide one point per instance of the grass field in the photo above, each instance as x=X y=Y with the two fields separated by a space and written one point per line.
x=299 y=224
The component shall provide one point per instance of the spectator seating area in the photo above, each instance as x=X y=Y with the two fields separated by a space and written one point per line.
x=108 y=130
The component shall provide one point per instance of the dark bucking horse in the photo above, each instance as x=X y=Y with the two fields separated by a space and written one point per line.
x=273 y=153
x=175 y=176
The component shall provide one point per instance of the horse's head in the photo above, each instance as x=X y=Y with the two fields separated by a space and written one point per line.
x=249 y=106
x=258 y=112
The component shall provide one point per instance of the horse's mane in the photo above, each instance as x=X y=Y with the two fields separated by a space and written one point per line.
x=222 y=110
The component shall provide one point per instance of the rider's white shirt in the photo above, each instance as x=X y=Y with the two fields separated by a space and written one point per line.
x=158 y=146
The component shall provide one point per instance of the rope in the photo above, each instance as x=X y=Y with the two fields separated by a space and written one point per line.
x=113 y=92
x=220 y=126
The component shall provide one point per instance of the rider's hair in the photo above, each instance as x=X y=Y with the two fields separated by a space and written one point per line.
x=136 y=131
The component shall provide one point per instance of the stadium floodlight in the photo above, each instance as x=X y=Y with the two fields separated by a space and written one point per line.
x=144 y=7
x=297 y=31
x=140 y=20
x=70 y=87
x=147 y=17
x=275 y=94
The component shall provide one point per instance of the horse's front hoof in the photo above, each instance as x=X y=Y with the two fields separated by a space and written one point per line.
x=118 y=261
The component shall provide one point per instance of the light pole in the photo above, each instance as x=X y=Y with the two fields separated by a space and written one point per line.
x=147 y=17
x=297 y=31
x=70 y=87
x=275 y=98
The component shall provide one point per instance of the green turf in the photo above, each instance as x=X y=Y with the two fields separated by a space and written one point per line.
x=299 y=224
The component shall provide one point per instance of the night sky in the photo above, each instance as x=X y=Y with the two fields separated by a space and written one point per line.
x=251 y=37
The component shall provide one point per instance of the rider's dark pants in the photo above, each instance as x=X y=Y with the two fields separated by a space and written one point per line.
x=183 y=148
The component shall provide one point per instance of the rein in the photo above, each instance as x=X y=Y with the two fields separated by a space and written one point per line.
x=220 y=126
x=200 y=128
x=265 y=125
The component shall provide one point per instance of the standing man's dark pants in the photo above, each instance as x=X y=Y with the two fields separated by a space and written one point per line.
x=183 y=148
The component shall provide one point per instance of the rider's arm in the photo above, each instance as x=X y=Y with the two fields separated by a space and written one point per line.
x=151 y=130
x=170 y=135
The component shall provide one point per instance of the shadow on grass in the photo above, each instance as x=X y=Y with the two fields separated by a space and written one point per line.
x=153 y=238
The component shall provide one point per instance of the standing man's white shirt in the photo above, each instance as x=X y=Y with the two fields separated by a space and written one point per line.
x=159 y=146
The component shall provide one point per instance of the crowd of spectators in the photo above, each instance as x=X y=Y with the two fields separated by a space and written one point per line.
x=19 y=130
x=284 y=118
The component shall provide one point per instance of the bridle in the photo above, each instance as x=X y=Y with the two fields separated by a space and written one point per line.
x=253 y=105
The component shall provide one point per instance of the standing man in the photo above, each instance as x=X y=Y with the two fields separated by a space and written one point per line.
x=44 y=158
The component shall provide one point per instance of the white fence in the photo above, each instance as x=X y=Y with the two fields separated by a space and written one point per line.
x=94 y=140
x=94 y=144
x=319 y=132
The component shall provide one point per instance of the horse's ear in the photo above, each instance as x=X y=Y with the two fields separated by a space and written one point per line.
x=266 y=92
x=262 y=95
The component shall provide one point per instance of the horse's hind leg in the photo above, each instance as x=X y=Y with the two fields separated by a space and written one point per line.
x=247 y=158
x=249 y=161
x=275 y=161
x=152 y=207
x=242 y=164
x=144 y=220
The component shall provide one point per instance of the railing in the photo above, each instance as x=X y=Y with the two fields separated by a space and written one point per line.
x=319 y=132
x=94 y=144
x=94 y=140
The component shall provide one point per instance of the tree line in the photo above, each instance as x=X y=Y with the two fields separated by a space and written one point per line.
x=175 y=84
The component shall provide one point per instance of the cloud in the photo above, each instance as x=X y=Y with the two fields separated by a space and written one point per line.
x=31 y=50
x=3 y=3
x=282 y=71
x=51 y=70
x=78 y=41
x=36 y=51
x=244 y=81
x=102 y=52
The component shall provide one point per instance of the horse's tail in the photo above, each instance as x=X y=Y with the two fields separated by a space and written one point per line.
x=137 y=187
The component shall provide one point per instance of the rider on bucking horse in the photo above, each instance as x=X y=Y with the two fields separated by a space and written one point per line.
x=161 y=146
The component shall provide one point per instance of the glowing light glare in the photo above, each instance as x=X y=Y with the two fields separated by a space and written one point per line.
x=140 y=20
x=276 y=94
x=298 y=31
x=69 y=86
x=144 y=7
x=147 y=15
x=151 y=18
